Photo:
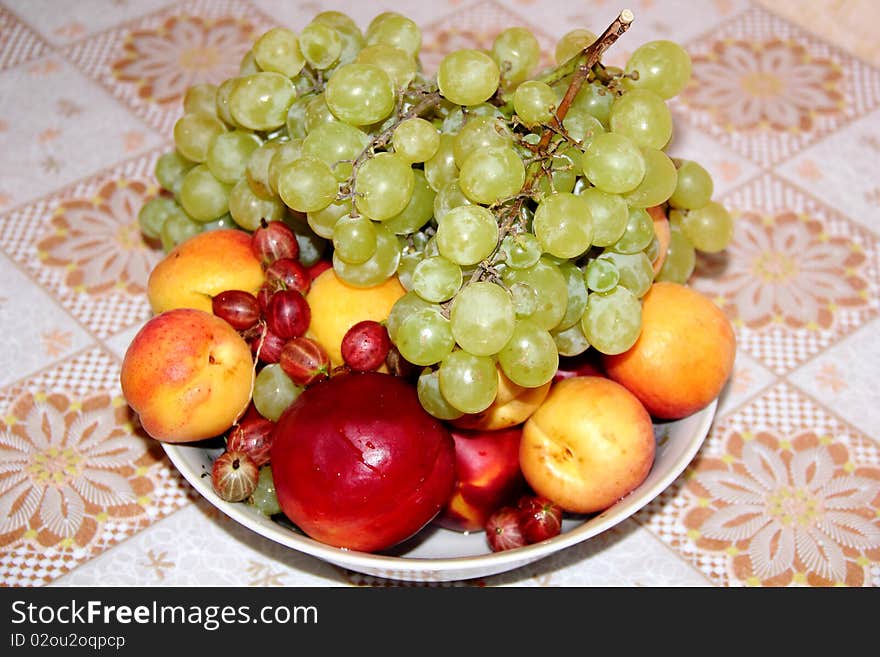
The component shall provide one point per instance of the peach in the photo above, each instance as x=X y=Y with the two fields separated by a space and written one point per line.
x=512 y=406
x=588 y=445
x=684 y=354
x=205 y=265
x=337 y=306
x=188 y=375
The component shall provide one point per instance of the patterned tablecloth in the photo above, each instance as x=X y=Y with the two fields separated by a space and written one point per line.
x=784 y=111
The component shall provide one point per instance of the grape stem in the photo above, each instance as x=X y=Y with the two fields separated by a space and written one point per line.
x=588 y=58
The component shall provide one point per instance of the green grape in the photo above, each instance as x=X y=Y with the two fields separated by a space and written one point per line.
x=482 y=318
x=153 y=214
x=323 y=221
x=398 y=64
x=455 y=117
x=491 y=175
x=571 y=341
x=534 y=102
x=449 y=197
x=296 y=116
x=318 y=113
x=644 y=117
x=383 y=186
x=352 y=38
x=394 y=29
x=577 y=295
x=551 y=290
x=170 y=169
x=257 y=169
x=248 y=209
x=415 y=140
x=467 y=234
x=612 y=321
x=525 y=299
x=468 y=382
x=638 y=233
x=432 y=400
x=613 y=163
x=468 y=77
x=261 y=101
x=441 y=168
x=360 y=94
x=337 y=145
x=200 y=99
x=418 y=210
x=694 y=186
x=307 y=185
x=659 y=181
x=601 y=274
x=223 y=222
x=571 y=43
x=408 y=304
x=354 y=239
x=287 y=152
x=680 y=258
x=202 y=196
x=563 y=176
x=222 y=110
x=379 y=268
x=264 y=496
x=229 y=153
x=521 y=250
x=582 y=126
x=517 y=52
x=480 y=133
x=436 y=279
x=635 y=271
x=530 y=358
x=596 y=99
x=248 y=64
x=320 y=45
x=425 y=337
x=563 y=225
x=311 y=245
x=177 y=228
x=278 y=50
x=409 y=260
x=663 y=66
x=193 y=134
x=610 y=214
x=274 y=391
x=709 y=229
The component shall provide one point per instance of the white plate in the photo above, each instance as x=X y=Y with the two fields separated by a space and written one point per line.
x=438 y=554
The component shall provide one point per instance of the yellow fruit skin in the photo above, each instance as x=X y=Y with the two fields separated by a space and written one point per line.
x=513 y=405
x=188 y=375
x=196 y=270
x=590 y=443
x=337 y=306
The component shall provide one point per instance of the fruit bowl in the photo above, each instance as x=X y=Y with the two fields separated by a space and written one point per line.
x=436 y=554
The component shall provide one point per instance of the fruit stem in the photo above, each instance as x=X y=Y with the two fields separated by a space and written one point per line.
x=586 y=60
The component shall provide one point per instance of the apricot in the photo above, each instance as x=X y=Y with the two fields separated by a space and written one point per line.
x=684 y=355
x=590 y=443
x=337 y=306
x=188 y=375
x=205 y=265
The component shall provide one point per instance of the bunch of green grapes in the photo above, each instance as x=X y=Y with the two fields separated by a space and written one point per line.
x=513 y=211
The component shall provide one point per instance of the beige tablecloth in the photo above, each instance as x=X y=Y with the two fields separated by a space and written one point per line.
x=783 y=111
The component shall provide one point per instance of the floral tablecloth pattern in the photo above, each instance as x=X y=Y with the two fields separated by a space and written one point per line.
x=783 y=109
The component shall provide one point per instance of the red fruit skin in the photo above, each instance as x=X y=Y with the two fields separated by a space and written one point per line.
x=288 y=314
x=365 y=346
x=539 y=519
x=503 y=531
x=252 y=436
x=273 y=240
x=267 y=348
x=488 y=477
x=318 y=268
x=359 y=464
x=288 y=274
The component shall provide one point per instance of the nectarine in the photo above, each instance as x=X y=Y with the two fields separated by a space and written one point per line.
x=589 y=444
x=683 y=356
x=359 y=464
x=188 y=375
